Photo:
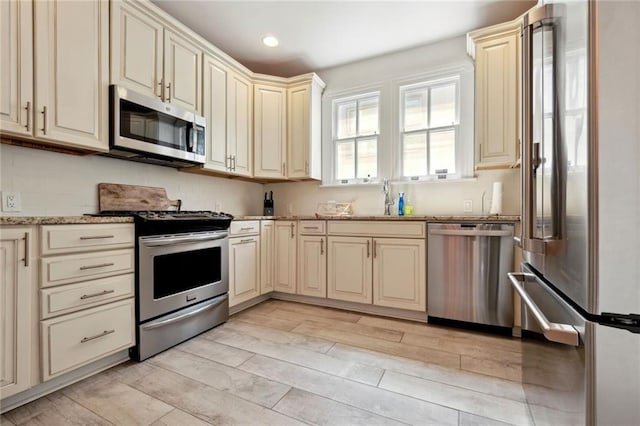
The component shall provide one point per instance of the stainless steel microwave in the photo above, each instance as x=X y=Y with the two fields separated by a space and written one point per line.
x=148 y=130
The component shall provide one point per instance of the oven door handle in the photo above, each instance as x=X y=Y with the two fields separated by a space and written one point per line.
x=181 y=240
x=182 y=317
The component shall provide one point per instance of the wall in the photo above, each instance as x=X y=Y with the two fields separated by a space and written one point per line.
x=427 y=198
x=54 y=184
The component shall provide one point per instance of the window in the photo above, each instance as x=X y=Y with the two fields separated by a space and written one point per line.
x=355 y=138
x=429 y=128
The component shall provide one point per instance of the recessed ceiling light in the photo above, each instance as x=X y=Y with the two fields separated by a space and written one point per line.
x=270 y=41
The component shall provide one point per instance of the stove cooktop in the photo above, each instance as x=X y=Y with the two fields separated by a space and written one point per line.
x=159 y=222
x=168 y=214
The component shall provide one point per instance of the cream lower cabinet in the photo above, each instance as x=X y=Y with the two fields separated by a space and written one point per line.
x=285 y=256
x=267 y=247
x=86 y=294
x=367 y=265
x=312 y=265
x=16 y=293
x=55 y=72
x=399 y=273
x=244 y=269
x=349 y=269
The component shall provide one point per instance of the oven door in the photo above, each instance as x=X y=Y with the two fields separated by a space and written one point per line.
x=176 y=271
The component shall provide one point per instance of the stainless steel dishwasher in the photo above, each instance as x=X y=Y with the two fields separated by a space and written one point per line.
x=467 y=273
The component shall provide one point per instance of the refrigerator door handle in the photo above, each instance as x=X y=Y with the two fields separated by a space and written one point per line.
x=560 y=333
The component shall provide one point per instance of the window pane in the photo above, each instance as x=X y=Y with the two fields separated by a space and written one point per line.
x=367 y=158
x=368 y=110
x=443 y=105
x=415 y=109
x=345 y=160
x=346 y=115
x=414 y=154
x=442 y=150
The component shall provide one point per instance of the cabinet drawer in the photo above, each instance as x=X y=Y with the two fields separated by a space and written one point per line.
x=381 y=228
x=244 y=227
x=312 y=227
x=58 y=239
x=73 y=340
x=67 y=269
x=73 y=297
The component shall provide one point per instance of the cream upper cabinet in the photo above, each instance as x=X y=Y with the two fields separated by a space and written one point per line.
x=285 y=256
x=228 y=109
x=267 y=276
x=349 y=269
x=16 y=290
x=270 y=126
x=304 y=145
x=58 y=92
x=312 y=265
x=16 y=67
x=152 y=59
x=244 y=269
x=399 y=273
x=497 y=54
x=239 y=124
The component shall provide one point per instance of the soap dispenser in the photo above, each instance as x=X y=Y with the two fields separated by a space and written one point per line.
x=401 y=204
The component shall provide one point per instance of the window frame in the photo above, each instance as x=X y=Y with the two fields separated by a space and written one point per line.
x=429 y=83
x=335 y=102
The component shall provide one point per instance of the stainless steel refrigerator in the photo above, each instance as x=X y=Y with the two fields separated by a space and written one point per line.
x=580 y=279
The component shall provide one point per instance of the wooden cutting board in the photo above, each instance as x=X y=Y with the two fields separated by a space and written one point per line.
x=116 y=196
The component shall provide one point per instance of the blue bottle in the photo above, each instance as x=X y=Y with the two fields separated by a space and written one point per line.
x=401 y=204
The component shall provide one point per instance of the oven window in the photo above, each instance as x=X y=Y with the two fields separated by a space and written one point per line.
x=177 y=272
x=147 y=125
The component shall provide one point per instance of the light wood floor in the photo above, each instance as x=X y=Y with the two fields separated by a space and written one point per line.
x=282 y=363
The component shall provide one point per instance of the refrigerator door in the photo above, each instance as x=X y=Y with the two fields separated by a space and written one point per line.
x=556 y=344
x=555 y=167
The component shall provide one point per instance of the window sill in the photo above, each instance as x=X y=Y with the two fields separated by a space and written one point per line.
x=399 y=182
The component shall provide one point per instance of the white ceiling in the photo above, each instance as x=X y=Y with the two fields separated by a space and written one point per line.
x=321 y=34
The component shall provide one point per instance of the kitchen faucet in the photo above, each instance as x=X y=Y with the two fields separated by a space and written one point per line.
x=388 y=201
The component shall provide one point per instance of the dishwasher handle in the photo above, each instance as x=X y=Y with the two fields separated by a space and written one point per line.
x=471 y=232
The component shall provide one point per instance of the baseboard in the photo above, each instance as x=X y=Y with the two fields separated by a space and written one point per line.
x=249 y=303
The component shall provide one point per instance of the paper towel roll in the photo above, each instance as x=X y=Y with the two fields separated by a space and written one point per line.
x=496 y=198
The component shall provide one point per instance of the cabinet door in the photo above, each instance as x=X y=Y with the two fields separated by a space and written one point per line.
x=136 y=49
x=312 y=265
x=399 y=273
x=214 y=109
x=285 y=256
x=298 y=131
x=267 y=233
x=16 y=67
x=244 y=264
x=270 y=127
x=72 y=72
x=349 y=269
x=497 y=100
x=182 y=71
x=17 y=316
x=240 y=123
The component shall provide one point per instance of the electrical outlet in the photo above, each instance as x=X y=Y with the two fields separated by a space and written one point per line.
x=467 y=206
x=11 y=201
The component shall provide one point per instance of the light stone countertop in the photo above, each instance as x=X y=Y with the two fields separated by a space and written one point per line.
x=422 y=218
x=62 y=220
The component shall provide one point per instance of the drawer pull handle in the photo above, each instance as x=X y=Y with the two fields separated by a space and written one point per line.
x=97 y=237
x=247 y=240
x=246 y=229
x=102 y=265
x=311 y=227
x=104 y=333
x=102 y=293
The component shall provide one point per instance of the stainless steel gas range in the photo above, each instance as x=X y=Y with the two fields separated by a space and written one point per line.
x=182 y=274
